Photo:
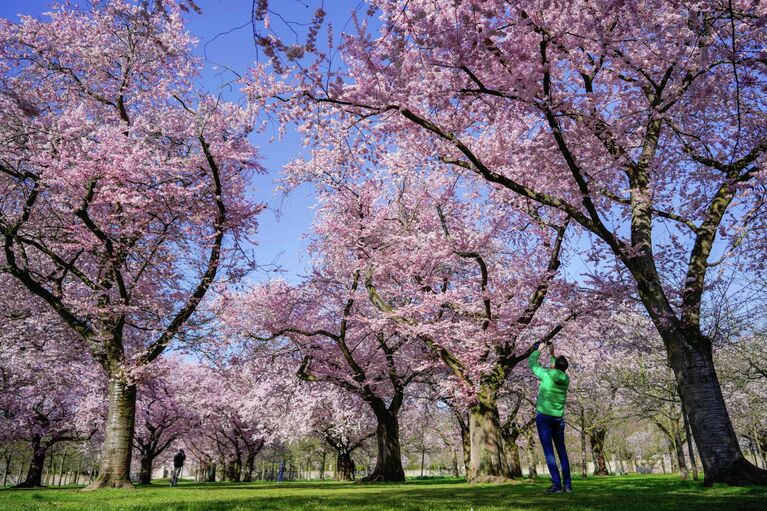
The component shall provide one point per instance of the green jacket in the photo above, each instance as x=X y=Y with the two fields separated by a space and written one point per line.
x=552 y=392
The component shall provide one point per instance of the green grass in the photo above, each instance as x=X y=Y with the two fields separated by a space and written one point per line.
x=630 y=493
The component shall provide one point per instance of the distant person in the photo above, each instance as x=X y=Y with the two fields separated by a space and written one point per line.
x=550 y=409
x=281 y=472
x=178 y=466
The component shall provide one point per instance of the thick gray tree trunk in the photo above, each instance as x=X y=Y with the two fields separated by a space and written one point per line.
x=487 y=457
x=690 y=356
x=699 y=388
x=118 y=437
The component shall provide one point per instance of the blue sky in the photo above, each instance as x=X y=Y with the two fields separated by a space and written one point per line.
x=226 y=41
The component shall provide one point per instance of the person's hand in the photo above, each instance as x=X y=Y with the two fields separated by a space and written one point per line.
x=551 y=348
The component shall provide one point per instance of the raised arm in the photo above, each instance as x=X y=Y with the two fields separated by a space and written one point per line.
x=533 y=364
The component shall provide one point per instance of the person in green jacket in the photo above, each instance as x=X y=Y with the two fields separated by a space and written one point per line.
x=550 y=409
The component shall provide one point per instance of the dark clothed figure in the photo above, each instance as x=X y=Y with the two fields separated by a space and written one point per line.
x=178 y=466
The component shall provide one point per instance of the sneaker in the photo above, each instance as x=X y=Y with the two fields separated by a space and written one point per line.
x=554 y=489
x=568 y=489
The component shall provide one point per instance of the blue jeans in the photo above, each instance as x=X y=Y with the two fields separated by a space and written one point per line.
x=174 y=476
x=552 y=429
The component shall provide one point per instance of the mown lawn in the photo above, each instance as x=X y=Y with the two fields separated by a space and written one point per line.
x=631 y=493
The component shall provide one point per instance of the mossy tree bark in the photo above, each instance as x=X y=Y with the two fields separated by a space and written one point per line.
x=488 y=459
x=597 y=440
x=532 y=456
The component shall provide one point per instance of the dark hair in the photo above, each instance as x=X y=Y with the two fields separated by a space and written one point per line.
x=561 y=363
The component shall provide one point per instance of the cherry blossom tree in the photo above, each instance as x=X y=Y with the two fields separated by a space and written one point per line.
x=298 y=410
x=320 y=323
x=40 y=402
x=162 y=418
x=473 y=298
x=328 y=328
x=228 y=429
x=120 y=183
x=643 y=122
x=430 y=432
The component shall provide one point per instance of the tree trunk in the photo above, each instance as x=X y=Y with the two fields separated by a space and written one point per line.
x=118 y=437
x=35 y=472
x=679 y=448
x=513 y=459
x=723 y=461
x=77 y=470
x=21 y=471
x=237 y=469
x=7 y=469
x=388 y=466
x=761 y=442
x=690 y=450
x=50 y=468
x=250 y=460
x=456 y=473
x=466 y=448
x=229 y=471
x=691 y=358
x=597 y=440
x=672 y=456
x=758 y=440
x=234 y=469
x=145 y=475
x=584 y=458
x=532 y=457
x=344 y=466
x=487 y=461
x=322 y=465
x=423 y=455
x=61 y=466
